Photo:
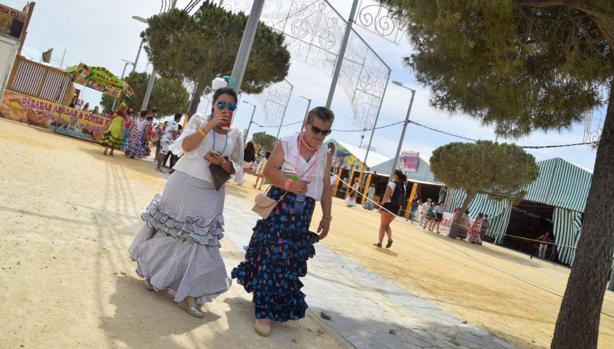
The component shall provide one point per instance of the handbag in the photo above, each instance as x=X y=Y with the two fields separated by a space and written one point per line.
x=264 y=205
x=219 y=175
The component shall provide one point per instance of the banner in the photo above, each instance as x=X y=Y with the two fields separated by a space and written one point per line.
x=11 y=22
x=56 y=117
x=446 y=222
x=409 y=161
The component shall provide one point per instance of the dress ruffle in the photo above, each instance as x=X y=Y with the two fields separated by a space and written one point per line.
x=178 y=248
x=275 y=259
x=195 y=229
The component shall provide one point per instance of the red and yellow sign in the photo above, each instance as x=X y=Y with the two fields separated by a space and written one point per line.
x=59 y=118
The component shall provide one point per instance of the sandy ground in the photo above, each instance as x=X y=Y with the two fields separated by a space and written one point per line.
x=68 y=215
x=503 y=291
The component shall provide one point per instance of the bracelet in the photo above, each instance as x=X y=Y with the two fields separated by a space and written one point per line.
x=287 y=184
x=329 y=218
x=203 y=133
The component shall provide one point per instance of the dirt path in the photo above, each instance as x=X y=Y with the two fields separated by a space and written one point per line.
x=67 y=217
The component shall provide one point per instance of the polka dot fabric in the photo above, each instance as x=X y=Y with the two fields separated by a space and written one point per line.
x=276 y=258
x=178 y=249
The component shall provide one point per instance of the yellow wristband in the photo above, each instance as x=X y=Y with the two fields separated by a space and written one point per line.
x=202 y=133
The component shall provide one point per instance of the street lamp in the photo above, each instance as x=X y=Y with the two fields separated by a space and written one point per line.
x=411 y=102
x=251 y=120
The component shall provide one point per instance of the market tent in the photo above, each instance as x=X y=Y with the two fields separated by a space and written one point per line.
x=99 y=79
x=423 y=174
x=560 y=184
x=353 y=156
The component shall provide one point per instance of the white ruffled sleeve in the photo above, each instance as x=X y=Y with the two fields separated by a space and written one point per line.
x=196 y=122
x=236 y=157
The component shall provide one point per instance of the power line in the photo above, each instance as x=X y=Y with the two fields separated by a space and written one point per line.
x=557 y=145
x=276 y=126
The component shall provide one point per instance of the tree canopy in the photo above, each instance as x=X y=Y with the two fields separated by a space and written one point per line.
x=522 y=65
x=500 y=171
x=197 y=47
x=168 y=94
x=263 y=141
x=514 y=66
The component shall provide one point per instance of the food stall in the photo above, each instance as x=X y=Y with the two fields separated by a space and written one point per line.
x=40 y=95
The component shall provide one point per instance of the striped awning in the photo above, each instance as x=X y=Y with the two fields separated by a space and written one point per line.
x=560 y=184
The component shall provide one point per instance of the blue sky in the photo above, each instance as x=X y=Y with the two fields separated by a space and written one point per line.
x=102 y=32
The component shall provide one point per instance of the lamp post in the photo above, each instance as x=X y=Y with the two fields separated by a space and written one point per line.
x=411 y=102
x=152 y=77
x=251 y=120
x=238 y=70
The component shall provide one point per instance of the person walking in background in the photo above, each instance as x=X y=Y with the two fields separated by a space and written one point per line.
x=260 y=170
x=473 y=234
x=438 y=217
x=464 y=224
x=127 y=125
x=249 y=157
x=414 y=207
x=281 y=244
x=370 y=195
x=424 y=208
x=350 y=201
x=178 y=249
x=430 y=217
x=485 y=227
x=135 y=147
x=394 y=196
x=114 y=136
x=545 y=240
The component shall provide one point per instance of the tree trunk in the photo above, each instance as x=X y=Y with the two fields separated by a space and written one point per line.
x=456 y=220
x=577 y=325
x=196 y=95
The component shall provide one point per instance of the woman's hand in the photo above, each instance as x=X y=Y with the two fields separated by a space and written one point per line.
x=298 y=187
x=214 y=158
x=216 y=121
x=323 y=228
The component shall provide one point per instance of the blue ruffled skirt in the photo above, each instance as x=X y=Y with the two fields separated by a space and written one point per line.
x=276 y=258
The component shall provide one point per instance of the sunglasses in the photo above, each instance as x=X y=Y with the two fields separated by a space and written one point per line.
x=318 y=130
x=224 y=104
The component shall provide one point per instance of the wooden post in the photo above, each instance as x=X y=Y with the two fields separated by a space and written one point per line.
x=349 y=185
x=338 y=180
x=414 y=189
x=367 y=184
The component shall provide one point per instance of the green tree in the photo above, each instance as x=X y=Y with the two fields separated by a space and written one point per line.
x=500 y=171
x=198 y=47
x=168 y=95
x=263 y=141
x=523 y=65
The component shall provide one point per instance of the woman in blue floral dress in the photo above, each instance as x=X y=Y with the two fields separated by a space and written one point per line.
x=299 y=170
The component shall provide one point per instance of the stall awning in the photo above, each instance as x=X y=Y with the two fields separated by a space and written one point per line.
x=100 y=79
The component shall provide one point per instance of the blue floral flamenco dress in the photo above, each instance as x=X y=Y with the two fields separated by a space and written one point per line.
x=277 y=257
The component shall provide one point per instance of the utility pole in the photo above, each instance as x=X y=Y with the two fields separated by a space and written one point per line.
x=238 y=71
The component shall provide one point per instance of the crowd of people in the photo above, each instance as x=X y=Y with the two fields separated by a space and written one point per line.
x=136 y=135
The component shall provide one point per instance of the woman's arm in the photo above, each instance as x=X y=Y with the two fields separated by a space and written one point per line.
x=326 y=201
x=387 y=194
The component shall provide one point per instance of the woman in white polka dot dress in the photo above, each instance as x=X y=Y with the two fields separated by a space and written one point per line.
x=178 y=248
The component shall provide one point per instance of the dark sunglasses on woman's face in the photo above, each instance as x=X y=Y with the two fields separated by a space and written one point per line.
x=224 y=104
x=318 y=130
